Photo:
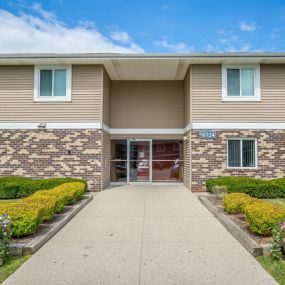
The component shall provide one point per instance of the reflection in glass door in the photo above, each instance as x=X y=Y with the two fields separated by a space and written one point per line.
x=146 y=160
x=139 y=161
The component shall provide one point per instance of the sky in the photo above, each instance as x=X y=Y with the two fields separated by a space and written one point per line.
x=149 y=26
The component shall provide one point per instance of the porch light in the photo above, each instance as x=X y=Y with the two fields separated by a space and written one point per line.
x=42 y=126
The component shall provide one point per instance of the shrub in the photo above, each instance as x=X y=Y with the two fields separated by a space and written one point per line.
x=27 y=214
x=25 y=218
x=234 y=203
x=13 y=187
x=266 y=189
x=46 y=203
x=263 y=217
x=70 y=192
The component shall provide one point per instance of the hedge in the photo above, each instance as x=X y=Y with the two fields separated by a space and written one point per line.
x=266 y=189
x=14 y=187
x=28 y=213
x=235 y=203
x=263 y=217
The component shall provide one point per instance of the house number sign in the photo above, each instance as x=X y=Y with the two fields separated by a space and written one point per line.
x=208 y=135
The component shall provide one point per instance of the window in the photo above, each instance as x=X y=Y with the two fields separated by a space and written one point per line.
x=241 y=83
x=242 y=153
x=52 y=83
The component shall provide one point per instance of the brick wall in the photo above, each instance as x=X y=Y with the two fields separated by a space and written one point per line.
x=209 y=157
x=52 y=153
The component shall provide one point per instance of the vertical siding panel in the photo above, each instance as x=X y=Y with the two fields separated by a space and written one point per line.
x=187 y=98
x=105 y=159
x=106 y=99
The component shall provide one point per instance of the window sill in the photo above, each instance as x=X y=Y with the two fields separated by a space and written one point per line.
x=66 y=99
x=241 y=99
x=242 y=168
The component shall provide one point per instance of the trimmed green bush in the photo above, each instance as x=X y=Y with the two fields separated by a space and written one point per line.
x=235 y=203
x=25 y=217
x=14 y=187
x=28 y=213
x=263 y=217
x=265 y=189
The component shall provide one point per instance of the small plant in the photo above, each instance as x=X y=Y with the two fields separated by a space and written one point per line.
x=219 y=189
x=5 y=236
x=276 y=249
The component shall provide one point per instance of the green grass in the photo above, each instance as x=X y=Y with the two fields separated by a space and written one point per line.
x=275 y=268
x=11 y=266
x=276 y=201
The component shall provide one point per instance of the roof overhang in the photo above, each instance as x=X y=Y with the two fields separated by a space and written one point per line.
x=144 y=66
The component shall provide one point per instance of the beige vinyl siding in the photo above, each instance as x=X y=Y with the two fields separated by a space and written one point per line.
x=147 y=104
x=187 y=160
x=105 y=159
x=106 y=98
x=207 y=97
x=187 y=98
x=17 y=101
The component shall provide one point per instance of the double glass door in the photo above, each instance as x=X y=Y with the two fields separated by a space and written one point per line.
x=146 y=160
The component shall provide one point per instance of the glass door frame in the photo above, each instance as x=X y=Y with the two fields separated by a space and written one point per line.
x=149 y=159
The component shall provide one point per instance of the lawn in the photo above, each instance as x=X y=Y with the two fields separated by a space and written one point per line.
x=275 y=268
x=276 y=201
x=11 y=266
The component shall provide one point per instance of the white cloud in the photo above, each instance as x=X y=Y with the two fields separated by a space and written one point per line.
x=247 y=27
x=120 y=36
x=40 y=31
x=174 y=47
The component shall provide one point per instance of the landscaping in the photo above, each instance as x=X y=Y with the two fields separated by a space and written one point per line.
x=42 y=201
x=265 y=189
x=256 y=206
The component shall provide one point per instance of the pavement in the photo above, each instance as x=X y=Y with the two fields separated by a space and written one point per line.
x=142 y=235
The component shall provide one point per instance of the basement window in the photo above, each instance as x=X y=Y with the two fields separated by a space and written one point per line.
x=52 y=83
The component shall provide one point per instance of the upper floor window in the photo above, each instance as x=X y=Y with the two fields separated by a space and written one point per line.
x=52 y=83
x=241 y=83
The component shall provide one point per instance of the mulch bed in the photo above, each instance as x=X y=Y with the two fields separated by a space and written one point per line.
x=239 y=220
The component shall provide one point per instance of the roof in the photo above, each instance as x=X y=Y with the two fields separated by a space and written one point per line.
x=146 y=66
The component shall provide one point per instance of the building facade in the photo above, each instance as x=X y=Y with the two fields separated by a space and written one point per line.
x=122 y=119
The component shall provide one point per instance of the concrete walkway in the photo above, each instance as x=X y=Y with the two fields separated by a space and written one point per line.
x=142 y=235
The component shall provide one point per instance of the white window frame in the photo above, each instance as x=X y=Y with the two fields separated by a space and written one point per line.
x=256 y=97
x=241 y=144
x=38 y=98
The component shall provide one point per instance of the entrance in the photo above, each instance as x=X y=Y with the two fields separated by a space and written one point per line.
x=146 y=160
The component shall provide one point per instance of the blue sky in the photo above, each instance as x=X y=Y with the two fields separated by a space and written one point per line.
x=142 y=26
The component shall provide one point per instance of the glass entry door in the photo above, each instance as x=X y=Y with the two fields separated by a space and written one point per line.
x=139 y=162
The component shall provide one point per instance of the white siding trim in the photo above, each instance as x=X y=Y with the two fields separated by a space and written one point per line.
x=106 y=128
x=147 y=131
x=32 y=126
x=237 y=126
